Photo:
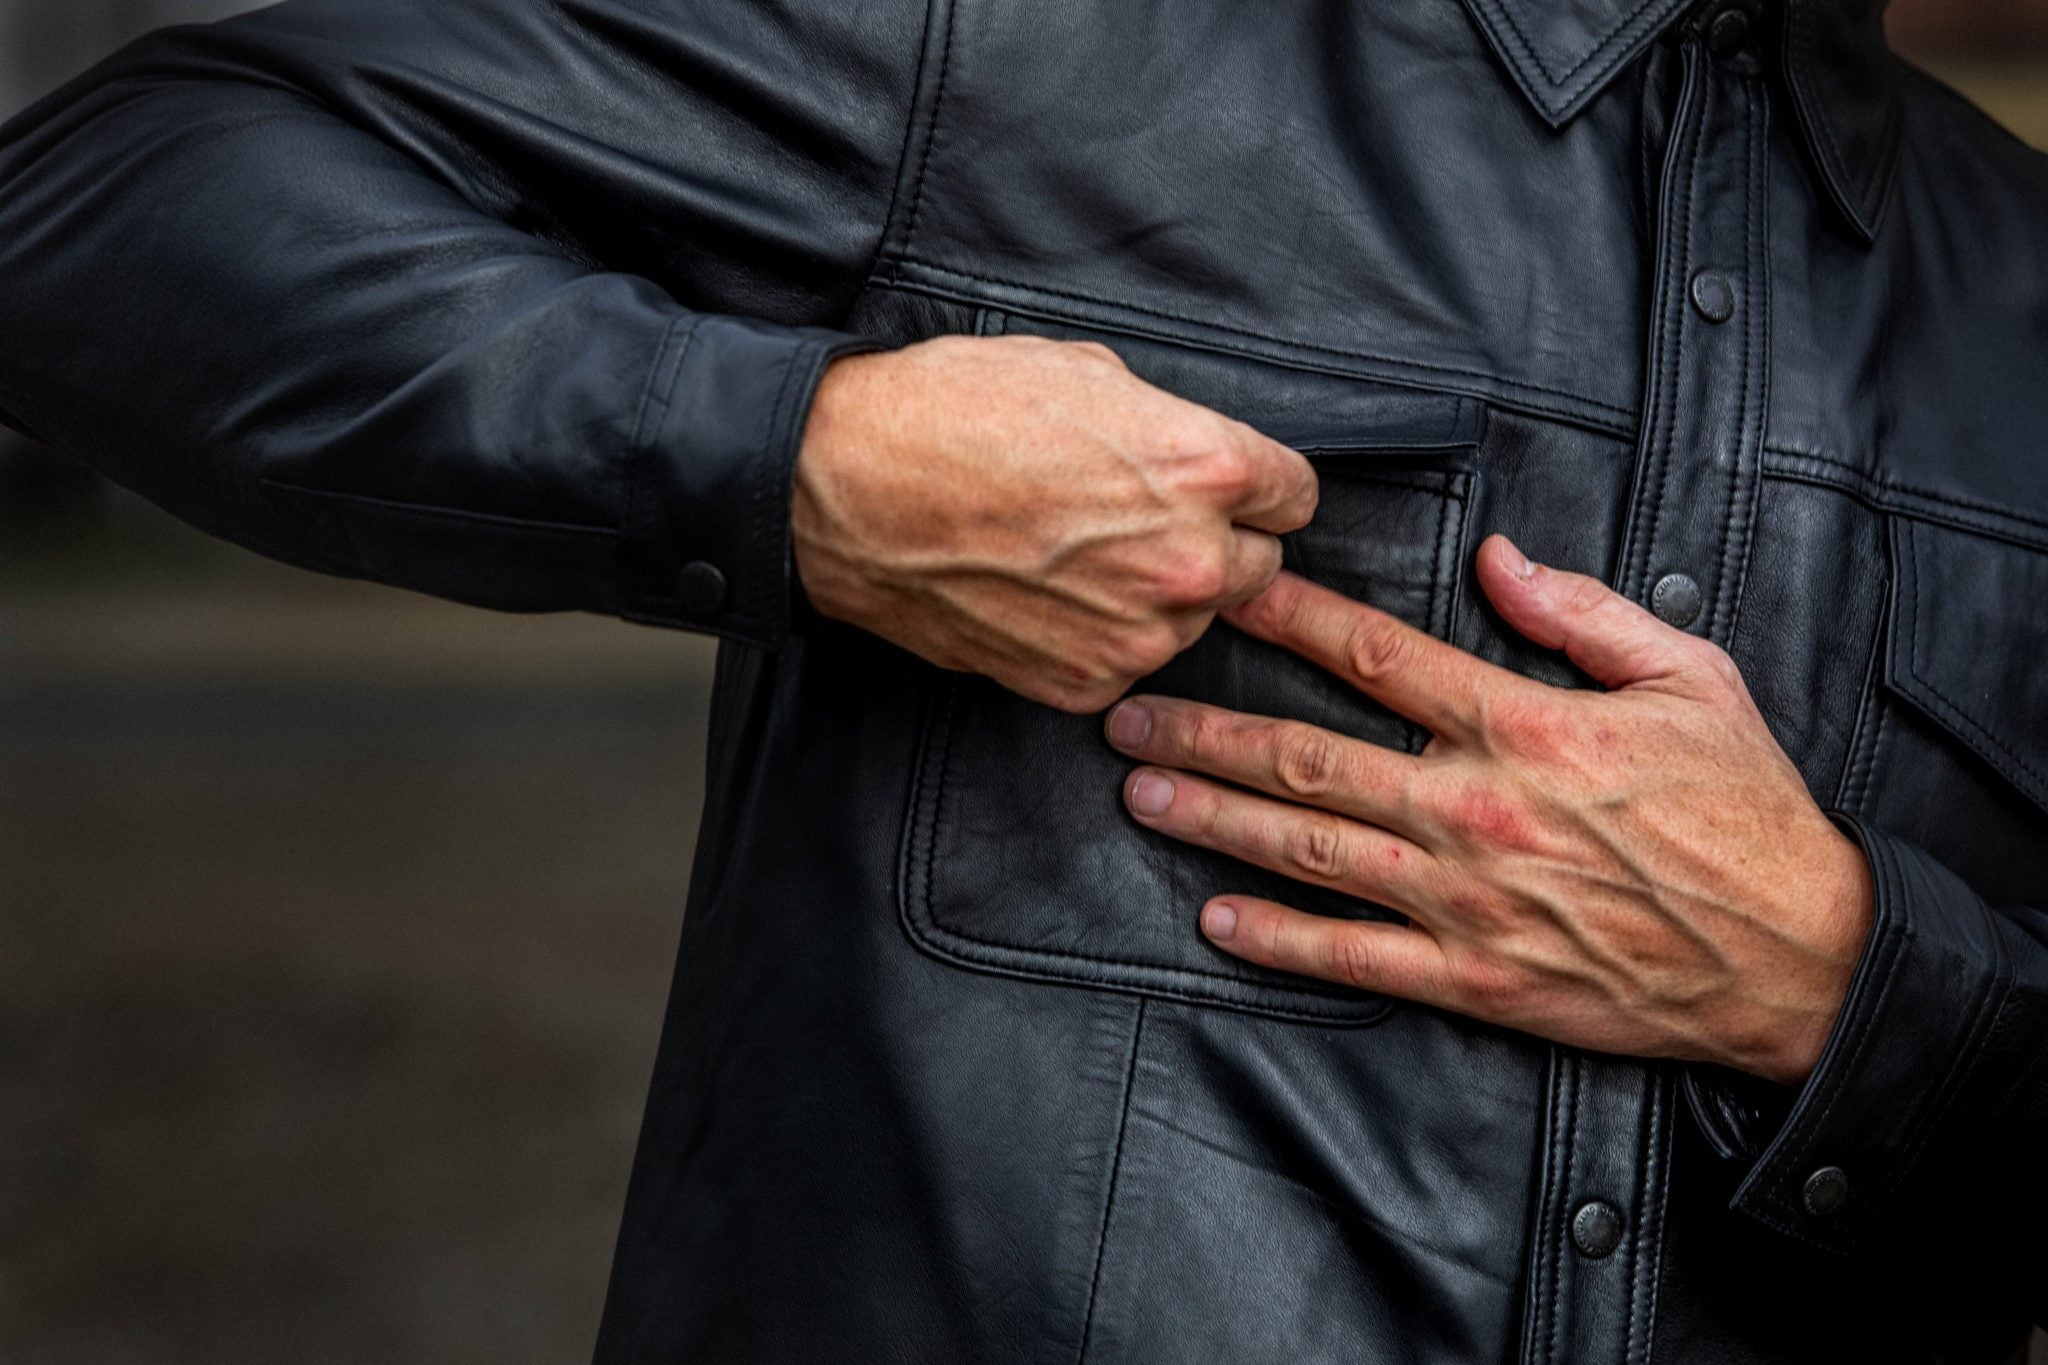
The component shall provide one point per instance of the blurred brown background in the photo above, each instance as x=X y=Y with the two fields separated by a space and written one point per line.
x=335 y=922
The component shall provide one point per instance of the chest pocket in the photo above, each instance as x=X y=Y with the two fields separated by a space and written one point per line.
x=1962 y=766
x=1018 y=856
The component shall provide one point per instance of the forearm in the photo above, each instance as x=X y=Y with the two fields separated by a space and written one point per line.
x=339 y=304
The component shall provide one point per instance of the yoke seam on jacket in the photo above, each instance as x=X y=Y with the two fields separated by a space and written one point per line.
x=1624 y=417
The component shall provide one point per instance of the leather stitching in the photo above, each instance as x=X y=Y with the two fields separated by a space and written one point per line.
x=1738 y=530
x=1564 y=1223
x=931 y=136
x=1658 y=405
x=1010 y=949
x=1244 y=992
x=772 y=588
x=1802 y=53
x=1008 y=957
x=1431 y=367
x=1662 y=407
x=1534 y=1304
x=640 y=496
x=1800 y=1137
x=1116 y=1167
x=1647 y=17
x=2015 y=766
x=1640 y=1245
x=1866 y=214
x=903 y=148
x=1964 y=1051
x=1851 y=785
x=1549 y=1247
x=434 y=511
x=1890 y=495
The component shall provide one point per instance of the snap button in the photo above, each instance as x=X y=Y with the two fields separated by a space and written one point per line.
x=1596 y=1229
x=1827 y=1189
x=1727 y=32
x=701 y=587
x=1713 y=296
x=1676 y=600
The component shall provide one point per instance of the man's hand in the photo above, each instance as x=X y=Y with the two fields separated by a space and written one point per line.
x=1031 y=510
x=1638 y=870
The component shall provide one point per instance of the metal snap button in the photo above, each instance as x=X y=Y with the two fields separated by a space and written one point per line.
x=1727 y=32
x=1596 y=1228
x=1713 y=296
x=1676 y=600
x=1827 y=1190
x=701 y=587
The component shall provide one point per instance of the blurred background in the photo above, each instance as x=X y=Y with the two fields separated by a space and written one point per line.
x=335 y=922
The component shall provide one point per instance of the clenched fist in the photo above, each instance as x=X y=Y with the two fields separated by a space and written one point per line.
x=1031 y=510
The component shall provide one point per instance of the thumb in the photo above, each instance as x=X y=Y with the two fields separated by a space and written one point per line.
x=1614 y=640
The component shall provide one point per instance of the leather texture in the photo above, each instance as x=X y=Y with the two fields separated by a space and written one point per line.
x=523 y=304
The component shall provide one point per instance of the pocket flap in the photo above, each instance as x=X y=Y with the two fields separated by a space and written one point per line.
x=1969 y=644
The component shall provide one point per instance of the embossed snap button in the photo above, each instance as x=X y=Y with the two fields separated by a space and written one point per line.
x=1713 y=296
x=1596 y=1228
x=701 y=587
x=1827 y=1189
x=1727 y=32
x=1676 y=600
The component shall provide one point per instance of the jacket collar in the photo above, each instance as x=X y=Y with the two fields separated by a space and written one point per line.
x=1841 y=76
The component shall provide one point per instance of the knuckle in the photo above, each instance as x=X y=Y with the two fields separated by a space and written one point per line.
x=1195 y=575
x=1493 y=819
x=1208 y=735
x=1349 y=959
x=1719 y=666
x=1074 y=698
x=1098 y=351
x=1532 y=726
x=1187 y=627
x=1491 y=989
x=1376 y=650
x=1315 y=848
x=1228 y=469
x=1131 y=653
x=1305 y=761
x=1152 y=646
x=1090 y=686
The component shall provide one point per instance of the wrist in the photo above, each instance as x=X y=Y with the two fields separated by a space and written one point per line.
x=833 y=429
x=1846 y=909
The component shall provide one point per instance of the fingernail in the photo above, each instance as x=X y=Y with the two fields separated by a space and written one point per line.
x=1219 y=920
x=1130 y=723
x=1151 y=794
x=1519 y=564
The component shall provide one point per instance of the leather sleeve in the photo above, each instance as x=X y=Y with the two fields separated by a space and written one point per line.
x=517 y=304
x=1928 y=1112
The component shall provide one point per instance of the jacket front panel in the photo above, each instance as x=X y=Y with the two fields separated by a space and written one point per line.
x=1783 y=476
x=948 y=1072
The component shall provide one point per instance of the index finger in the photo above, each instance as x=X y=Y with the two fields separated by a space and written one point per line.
x=1279 y=491
x=1410 y=672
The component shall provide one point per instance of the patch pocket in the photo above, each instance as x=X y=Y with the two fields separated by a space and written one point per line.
x=1963 y=769
x=1018 y=856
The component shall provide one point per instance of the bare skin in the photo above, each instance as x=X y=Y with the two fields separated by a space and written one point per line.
x=1031 y=510
x=1638 y=870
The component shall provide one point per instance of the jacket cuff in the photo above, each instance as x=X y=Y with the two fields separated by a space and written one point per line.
x=705 y=528
x=1932 y=979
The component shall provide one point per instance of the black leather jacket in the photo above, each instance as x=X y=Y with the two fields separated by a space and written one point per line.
x=522 y=303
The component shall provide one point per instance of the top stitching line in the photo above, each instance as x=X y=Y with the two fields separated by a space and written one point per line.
x=1599 y=405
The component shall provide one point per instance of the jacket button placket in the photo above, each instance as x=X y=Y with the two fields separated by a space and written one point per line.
x=1691 y=514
